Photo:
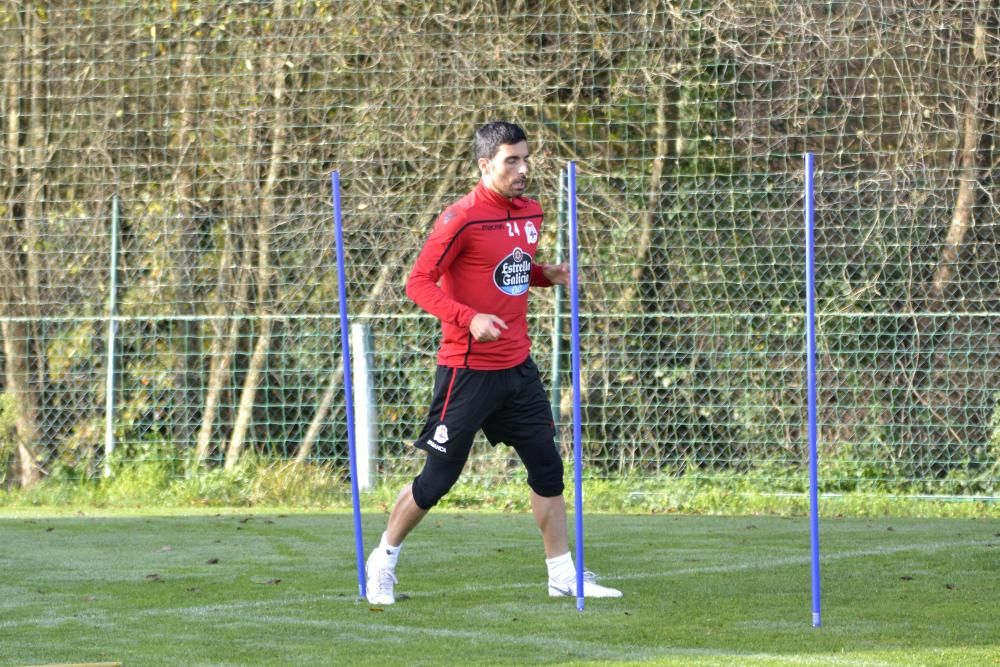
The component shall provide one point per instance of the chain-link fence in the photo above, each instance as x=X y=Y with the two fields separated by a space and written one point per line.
x=167 y=231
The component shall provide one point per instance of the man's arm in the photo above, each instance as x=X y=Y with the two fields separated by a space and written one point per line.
x=547 y=275
x=485 y=328
x=422 y=288
x=439 y=251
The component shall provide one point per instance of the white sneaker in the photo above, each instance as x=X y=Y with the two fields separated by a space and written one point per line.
x=591 y=589
x=379 y=580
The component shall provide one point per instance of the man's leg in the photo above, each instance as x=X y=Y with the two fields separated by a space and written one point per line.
x=462 y=400
x=412 y=505
x=550 y=515
x=381 y=565
x=525 y=423
x=405 y=516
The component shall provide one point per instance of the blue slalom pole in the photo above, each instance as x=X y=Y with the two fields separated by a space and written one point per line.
x=575 y=350
x=810 y=219
x=345 y=359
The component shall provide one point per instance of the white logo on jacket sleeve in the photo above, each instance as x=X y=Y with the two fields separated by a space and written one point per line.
x=513 y=274
x=531 y=232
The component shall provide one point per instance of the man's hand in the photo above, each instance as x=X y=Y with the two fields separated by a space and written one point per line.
x=485 y=328
x=557 y=274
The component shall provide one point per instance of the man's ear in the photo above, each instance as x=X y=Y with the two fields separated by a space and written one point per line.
x=483 y=164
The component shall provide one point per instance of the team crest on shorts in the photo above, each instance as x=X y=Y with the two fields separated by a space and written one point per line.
x=513 y=274
x=441 y=434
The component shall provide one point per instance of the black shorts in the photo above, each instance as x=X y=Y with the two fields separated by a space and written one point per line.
x=509 y=406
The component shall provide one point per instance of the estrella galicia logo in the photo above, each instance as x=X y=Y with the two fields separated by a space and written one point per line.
x=513 y=273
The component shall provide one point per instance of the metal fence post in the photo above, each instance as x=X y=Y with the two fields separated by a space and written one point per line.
x=112 y=320
x=366 y=426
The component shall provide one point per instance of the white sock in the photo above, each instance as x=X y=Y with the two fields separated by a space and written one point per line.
x=391 y=552
x=561 y=568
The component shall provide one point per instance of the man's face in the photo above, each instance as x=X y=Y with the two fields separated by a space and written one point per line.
x=506 y=173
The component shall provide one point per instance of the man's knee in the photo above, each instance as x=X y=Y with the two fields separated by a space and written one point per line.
x=435 y=480
x=546 y=478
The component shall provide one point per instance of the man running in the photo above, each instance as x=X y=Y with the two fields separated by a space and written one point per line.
x=473 y=274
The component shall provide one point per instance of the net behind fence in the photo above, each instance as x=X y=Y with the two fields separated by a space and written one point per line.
x=167 y=252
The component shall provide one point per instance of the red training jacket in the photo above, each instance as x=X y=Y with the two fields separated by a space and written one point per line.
x=481 y=250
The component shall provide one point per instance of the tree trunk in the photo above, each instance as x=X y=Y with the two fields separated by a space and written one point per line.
x=235 y=304
x=20 y=266
x=962 y=216
x=223 y=347
x=13 y=331
x=17 y=378
x=267 y=218
x=929 y=386
x=654 y=194
x=186 y=366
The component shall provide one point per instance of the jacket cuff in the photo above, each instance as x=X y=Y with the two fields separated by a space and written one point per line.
x=538 y=278
x=465 y=318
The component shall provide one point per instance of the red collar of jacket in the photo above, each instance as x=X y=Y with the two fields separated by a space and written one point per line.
x=483 y=193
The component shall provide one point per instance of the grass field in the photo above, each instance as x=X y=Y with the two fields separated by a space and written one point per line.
x=281 y=589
